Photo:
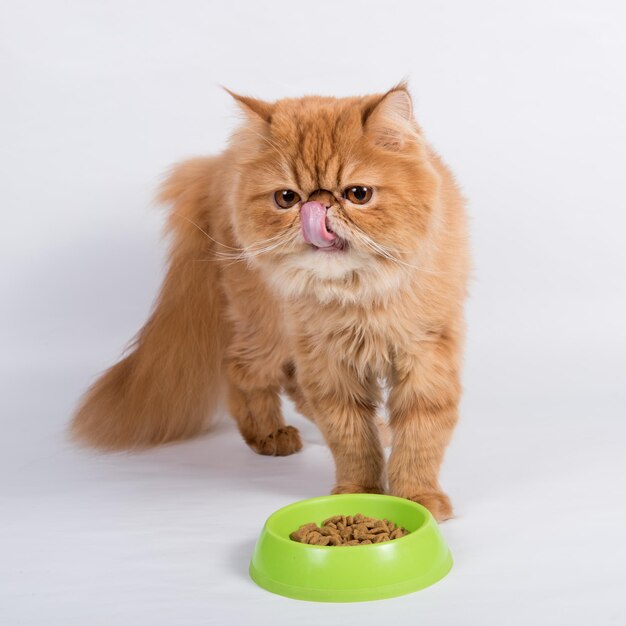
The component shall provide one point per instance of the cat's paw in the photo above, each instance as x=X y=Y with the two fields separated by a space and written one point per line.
x=436 y=502
x=354 y=488
x=282 y=442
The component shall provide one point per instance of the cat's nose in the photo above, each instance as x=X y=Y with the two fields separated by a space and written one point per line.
x=314 y=226
x=323 y=196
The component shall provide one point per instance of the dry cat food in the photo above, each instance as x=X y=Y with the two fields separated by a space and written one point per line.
x=348 y=530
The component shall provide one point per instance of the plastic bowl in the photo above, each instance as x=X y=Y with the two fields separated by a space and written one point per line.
x=350 y=573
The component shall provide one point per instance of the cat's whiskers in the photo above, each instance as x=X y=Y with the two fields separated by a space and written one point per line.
x=383 y=251
x=246 y=254
x=249 y=255
x=219 y=243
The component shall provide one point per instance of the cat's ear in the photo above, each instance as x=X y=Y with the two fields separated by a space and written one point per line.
x=389 y=119
x=253 y=107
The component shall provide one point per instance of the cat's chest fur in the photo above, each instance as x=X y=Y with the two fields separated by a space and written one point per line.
x=368 y=338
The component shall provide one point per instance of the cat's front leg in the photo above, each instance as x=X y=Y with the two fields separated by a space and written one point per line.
x=343 y=405
x=423 y=410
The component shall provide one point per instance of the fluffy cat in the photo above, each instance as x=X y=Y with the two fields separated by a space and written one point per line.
x=323 y=254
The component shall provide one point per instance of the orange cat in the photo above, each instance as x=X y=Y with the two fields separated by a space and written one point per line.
x=324 y=253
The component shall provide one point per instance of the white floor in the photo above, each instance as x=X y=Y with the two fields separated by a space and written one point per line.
x=89 y=539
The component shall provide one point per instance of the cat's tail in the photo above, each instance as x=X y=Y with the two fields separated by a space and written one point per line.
x=170 y=383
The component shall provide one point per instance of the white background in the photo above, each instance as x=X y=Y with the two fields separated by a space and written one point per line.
x=526 y=101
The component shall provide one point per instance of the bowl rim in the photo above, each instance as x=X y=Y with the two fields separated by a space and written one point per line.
x=428 y=520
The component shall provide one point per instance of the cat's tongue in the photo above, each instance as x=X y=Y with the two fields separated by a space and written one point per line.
x=313 y=220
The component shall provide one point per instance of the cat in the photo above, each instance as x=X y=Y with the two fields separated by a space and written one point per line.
x=325 y=254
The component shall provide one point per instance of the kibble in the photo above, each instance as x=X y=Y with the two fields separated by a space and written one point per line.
x=350 y=530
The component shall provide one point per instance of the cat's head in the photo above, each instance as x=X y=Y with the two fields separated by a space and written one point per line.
x=335 y=196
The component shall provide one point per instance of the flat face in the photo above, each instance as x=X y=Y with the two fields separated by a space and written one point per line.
x=377 y=195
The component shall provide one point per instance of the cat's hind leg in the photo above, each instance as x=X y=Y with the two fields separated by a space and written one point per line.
x=293 y=390
x=254 y=400
x=260 y=422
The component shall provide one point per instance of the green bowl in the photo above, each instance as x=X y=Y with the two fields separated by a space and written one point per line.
x=350 y=573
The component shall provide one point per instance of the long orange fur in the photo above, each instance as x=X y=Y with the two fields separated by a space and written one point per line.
x=249 y=309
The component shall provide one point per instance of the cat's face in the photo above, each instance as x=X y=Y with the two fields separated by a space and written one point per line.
x=333 y=193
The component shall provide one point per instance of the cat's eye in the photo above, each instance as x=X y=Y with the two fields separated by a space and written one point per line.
x=286 y=198
x=359 y=194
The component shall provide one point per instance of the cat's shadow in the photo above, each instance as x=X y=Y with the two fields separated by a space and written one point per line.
x=222 y=455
